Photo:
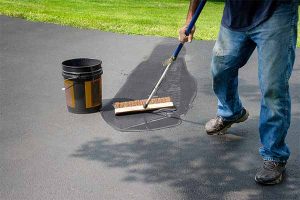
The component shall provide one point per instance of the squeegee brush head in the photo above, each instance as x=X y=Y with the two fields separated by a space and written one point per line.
x=138 y=105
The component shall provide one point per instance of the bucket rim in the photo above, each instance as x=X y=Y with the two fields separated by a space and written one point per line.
x=97 y=63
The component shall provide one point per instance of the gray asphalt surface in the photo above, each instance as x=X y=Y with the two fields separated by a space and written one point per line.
x=48 y=153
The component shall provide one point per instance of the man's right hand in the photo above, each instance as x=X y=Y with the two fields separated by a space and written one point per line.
x=183 y=38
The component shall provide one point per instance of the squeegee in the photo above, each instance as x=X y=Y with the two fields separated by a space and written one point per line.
x=163 y=102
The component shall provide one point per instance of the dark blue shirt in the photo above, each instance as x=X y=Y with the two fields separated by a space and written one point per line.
x=242 y=15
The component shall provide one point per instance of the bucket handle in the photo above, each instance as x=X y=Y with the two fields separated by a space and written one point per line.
x=78 y=76
x=72 y=78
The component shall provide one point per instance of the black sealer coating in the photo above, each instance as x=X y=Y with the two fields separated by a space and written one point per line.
x=178 y=84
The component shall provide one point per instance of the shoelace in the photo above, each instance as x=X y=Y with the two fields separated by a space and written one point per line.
x=270 y=165
x=219 y=121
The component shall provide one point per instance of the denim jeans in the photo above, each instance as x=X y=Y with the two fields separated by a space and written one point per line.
x=275 y=40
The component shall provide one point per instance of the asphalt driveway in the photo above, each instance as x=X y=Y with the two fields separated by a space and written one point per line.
x=48 y=153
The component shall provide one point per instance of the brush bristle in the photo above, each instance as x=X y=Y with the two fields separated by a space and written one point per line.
x=141 y=102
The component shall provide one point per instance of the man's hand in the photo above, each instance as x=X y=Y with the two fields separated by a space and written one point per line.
x=192 y=8
x=183 y=38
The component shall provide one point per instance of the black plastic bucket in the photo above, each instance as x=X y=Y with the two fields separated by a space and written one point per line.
x=83 y=85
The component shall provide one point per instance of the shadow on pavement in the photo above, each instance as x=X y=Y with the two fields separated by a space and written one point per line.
x=201 y=167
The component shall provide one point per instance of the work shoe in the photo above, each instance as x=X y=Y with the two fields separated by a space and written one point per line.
x=219 y=126
x=270 y=173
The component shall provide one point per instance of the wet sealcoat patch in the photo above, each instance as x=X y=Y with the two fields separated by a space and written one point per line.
x=179 y=84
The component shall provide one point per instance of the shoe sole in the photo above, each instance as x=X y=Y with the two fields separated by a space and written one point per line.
x=224 y=130
x=278 y=180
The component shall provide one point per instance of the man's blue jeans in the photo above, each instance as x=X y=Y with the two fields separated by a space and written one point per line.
x=275 y=40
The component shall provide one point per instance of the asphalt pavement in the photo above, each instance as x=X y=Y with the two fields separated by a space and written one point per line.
x=49 y=153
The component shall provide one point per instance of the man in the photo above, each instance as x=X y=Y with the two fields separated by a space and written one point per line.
x=271 y=27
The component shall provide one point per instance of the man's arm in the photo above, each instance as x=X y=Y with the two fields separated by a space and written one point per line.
x=192 y=8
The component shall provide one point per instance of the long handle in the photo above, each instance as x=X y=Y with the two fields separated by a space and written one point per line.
x=178 y=49
x=190 y=27
x=157 y=85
